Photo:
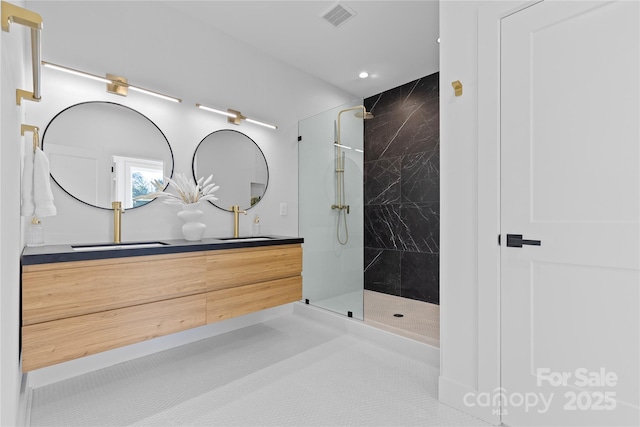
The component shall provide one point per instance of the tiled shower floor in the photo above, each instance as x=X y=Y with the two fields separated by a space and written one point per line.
x=420 y=320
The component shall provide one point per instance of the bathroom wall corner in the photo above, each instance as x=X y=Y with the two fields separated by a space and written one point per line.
x=12 y=76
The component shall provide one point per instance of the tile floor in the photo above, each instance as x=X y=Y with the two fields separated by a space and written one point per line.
x=289 y=371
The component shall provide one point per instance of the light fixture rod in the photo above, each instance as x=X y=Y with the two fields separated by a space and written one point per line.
x=235 y=117
x=270 y=126
x=153 y=93
x=214 y=110
x=75 y=72
x=110 y=81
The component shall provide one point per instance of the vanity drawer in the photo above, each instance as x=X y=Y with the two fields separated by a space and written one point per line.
x=228 y=303
x=58 y=341
x=236 y=267
x=61 y=290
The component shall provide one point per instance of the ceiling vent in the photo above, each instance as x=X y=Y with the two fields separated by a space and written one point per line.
x=338 y=14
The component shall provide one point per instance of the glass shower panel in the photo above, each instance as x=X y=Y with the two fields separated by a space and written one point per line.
x=331 y=220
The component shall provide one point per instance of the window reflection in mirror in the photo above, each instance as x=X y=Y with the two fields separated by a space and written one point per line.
x=238 y=166
x=133 y=177
x=101 y=152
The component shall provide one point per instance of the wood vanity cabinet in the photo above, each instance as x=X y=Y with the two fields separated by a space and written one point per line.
x=248 y=280
x=74 y=309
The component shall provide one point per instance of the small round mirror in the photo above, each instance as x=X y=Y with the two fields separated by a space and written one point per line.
x=238 y=166
x=100 y=152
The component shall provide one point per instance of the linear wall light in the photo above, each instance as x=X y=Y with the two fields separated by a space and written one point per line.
x=235 y=117
x=115 y=84
x=213 y=110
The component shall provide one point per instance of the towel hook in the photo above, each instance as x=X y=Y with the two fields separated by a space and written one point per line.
x=15 y=14
x=36 y=139
x=457 y=87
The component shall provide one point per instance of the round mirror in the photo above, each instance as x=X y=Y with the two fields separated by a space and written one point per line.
x=100 y=152
x=238 y=166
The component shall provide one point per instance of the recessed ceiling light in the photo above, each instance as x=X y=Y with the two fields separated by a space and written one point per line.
x=363 y=75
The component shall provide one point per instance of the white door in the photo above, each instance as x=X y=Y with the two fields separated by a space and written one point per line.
x=68 y=163
x=569 y=178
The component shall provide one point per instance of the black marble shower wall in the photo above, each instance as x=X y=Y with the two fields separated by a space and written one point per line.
x=402 y=191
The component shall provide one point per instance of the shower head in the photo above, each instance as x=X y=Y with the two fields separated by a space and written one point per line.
x=364 y=114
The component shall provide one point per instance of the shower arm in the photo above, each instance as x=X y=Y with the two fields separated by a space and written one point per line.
x=358 y=107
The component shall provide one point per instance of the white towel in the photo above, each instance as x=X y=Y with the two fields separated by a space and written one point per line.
x=28 y=207
x=37 y=198
x=42 y=195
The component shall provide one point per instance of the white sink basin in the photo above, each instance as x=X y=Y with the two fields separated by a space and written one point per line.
x=116 y=246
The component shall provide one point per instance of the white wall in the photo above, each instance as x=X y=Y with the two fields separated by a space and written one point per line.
x=469 y=297
x=458 y=172
x=156 y=47
x=12 y=77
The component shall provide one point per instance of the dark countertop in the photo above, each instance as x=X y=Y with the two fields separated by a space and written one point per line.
x=65 y=253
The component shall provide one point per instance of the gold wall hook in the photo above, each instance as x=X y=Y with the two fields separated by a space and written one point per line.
x=36 y=138
x=28 y=128
x=457 y=87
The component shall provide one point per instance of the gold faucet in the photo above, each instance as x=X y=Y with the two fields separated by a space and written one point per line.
x=236 y=219
x=117 y=221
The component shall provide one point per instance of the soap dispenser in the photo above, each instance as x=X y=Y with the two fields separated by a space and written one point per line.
x=35 y=233
x=255 y=231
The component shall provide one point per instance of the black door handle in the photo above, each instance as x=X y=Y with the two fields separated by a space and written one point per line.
x=516 y=241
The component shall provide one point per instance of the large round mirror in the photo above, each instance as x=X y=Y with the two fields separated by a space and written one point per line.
x=100 y=152
x=238 y=166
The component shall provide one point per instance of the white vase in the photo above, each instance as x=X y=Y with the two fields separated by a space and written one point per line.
x=192 y=228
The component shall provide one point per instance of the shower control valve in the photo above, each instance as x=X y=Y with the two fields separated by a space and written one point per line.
x=341 y=207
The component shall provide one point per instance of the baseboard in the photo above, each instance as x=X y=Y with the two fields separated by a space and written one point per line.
x=415 y=349
x=453 y=394
x=66 y=370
